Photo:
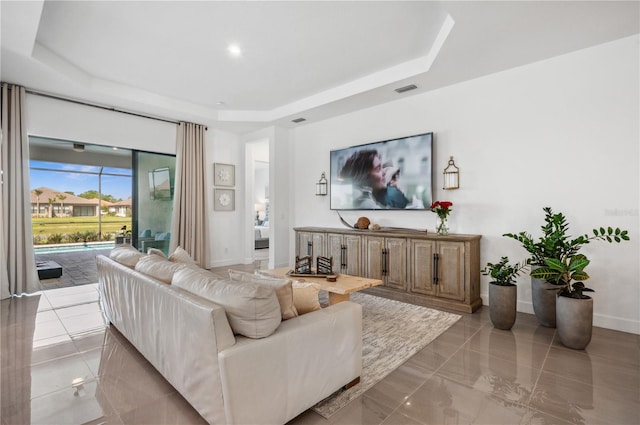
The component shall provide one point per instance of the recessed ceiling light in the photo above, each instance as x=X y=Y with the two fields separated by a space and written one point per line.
x=234 y=50
x=220 y=103
x=115 y=148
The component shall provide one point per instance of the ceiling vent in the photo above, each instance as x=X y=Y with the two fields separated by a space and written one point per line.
x=298 y=120
x=406 y=88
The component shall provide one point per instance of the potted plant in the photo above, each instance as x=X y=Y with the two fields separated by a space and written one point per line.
x=549 y=245
x=503 y=292
x=563 y=267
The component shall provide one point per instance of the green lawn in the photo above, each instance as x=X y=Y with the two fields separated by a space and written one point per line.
x=44 y=227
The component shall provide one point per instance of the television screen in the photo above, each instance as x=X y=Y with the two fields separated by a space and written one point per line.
x=392 y=174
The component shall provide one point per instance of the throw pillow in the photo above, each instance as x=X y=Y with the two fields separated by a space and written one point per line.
x=126 y=255
x=253 y=310
x=283 y=289
x=156 y=251
x=158 y=267
x=181 y=256
x=305 y=296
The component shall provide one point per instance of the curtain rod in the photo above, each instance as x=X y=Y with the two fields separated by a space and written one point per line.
x=106 y=108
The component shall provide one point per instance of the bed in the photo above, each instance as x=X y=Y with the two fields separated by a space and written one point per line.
x=261 y=236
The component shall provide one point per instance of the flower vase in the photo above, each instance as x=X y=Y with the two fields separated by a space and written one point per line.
x=442 y=225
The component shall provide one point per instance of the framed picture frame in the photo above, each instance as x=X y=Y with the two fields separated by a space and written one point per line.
x=224 y=199
x=224 y=175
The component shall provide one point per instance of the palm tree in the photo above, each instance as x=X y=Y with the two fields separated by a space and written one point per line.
x=61 y=197
x=50 y=201
x=37 y=192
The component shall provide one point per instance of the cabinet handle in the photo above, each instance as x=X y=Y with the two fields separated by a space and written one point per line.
x=436 y=257
x=310 y=249
x=343 y=256
x=384 y=262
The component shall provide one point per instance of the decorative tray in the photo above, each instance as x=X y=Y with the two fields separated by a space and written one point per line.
x=314 y=274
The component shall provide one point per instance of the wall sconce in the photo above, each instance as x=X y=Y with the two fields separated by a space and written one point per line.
x=451 y=176
x=321 y=186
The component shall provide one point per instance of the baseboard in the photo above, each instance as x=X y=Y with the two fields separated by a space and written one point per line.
x=599 y=320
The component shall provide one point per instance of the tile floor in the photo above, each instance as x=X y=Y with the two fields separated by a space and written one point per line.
x=62 y=365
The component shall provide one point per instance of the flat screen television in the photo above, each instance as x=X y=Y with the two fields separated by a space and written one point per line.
x=392 y=174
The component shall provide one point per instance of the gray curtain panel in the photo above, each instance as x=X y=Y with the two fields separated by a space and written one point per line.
x=17 y=258
x=189 y=228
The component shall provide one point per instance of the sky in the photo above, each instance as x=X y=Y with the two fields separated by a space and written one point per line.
x=74 y=178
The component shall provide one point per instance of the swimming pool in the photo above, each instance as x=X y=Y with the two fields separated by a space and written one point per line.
x=73 y=247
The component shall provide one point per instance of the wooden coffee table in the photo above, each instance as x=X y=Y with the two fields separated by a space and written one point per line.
x=339 y=290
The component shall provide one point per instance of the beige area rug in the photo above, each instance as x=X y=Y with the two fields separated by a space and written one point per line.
x=392 y=332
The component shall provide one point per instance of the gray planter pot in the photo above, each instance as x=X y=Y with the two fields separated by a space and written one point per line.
x=574 y=321
x=543 y=296
x=502 y=305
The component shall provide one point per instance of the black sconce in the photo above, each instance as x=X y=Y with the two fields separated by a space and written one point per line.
x=451 y=176
x=321 y=186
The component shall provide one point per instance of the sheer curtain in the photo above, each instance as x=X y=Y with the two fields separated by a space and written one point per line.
x=189 y=228
x=17 y=258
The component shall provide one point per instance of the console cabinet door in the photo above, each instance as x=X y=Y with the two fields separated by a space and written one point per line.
x=310 y=243
x=335 y=249
x=373 y=257
x=395 y=263
x=346 y=251
x=421 y=258
x=451 y=277
x=353 y=255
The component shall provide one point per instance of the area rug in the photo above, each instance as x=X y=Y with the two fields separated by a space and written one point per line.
x=392 y=332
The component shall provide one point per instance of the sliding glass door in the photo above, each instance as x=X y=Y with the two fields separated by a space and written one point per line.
x=153 y=200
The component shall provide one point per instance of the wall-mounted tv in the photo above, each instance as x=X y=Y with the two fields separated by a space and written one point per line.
x=392 y=174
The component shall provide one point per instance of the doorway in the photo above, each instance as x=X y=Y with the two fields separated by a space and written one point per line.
x=258 y=160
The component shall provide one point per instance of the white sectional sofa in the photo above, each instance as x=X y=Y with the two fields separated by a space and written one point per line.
x=229 y=378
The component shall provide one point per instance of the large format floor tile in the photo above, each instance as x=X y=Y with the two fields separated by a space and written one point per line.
x=61 y=364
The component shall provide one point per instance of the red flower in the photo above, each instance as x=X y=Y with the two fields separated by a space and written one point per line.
x=441 y=208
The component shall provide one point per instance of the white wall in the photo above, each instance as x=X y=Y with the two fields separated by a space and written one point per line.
x=563 y=133
x=226 y=230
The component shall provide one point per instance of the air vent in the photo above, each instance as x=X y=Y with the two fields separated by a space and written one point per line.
x=78 y=147
x=406 y=88
x=298 y=120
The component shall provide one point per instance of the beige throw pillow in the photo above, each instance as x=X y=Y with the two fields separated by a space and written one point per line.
x=283 y=289
x=253 y=310
x=305 y=297
x=158 y=267
x=126 y=255
x=181 y=256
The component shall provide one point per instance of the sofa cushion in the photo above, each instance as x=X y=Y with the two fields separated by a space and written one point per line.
x=181 y=256
x=305 y=296
x=158 y=267
x=283 y=288
x=126 y=255
x=253 y=310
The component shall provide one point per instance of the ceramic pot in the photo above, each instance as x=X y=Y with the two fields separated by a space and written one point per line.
x=574 y=321
x=543 y=296
x=502 y=305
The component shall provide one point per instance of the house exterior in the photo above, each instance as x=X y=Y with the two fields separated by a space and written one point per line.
x=46 y=202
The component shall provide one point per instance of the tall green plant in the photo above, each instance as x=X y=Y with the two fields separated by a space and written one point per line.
x=558 y=254
x=550 y=244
